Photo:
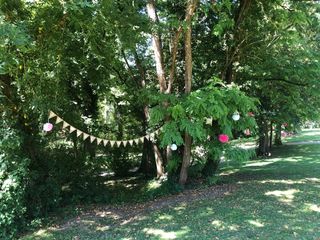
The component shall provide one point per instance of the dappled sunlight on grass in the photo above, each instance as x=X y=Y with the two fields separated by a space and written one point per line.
x=285 y=196
x=256 y=223
x=312 y=207
x=160 y=233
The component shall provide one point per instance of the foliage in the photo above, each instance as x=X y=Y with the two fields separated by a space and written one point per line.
x=13 y=179
x=189 y=113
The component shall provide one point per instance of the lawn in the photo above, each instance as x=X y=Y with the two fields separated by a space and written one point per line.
x=274 y=198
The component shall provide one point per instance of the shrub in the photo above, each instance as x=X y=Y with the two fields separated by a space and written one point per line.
x=13 y=172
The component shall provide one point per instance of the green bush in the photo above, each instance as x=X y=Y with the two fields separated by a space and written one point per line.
x=13 y=172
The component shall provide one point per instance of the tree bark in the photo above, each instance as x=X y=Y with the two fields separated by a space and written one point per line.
x=151 y=152
x=271 y=135
x=188 y=82
x=157 y=46
x=277 y=138
x=263 y=148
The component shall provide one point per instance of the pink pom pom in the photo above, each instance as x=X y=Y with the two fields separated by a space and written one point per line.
x=223 y=138
x=47 y=127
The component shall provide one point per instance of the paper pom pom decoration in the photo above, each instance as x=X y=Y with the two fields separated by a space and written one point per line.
x=223 y=138
x=236 y=116
x=173 y=147
x=47 y=127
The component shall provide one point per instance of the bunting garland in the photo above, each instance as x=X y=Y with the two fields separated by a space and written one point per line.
x=99 y=141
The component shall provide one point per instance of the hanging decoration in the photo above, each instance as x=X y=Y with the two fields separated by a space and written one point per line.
x=174 y=147
x=47 y=127
x=99 y=141
x=236 y=116
x=250 y=114
x=247 y=132
x=223 y=138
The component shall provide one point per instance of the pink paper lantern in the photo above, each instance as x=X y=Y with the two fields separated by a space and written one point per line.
x=47 y=127
x=223 y=138
x=247 y=132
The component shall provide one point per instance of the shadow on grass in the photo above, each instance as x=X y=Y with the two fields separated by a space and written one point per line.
x=277 y=198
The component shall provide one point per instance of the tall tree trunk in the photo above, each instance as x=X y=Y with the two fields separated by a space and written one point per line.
x=154 y=155
x=188 y=81
x=157 y=46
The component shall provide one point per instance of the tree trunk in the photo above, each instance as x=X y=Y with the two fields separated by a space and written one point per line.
x=277 y=139
x=263 y=149
x=188 y=81
x=271 y=136
x=157 y=47
x=151 y=152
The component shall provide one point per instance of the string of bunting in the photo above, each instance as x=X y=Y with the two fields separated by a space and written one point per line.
x=97 y=140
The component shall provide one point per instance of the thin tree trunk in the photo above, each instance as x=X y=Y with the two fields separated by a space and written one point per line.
x=188 y=82
x=271 y=135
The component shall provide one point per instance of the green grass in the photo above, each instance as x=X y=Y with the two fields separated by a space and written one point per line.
x=305 y=135
x=275 y=198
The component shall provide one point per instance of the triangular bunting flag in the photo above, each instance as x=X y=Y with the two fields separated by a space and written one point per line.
x=125 y=143
x=72 y=129
x=147 y=137
x=119 y=143
x=65 y=124
x=131 y=142
x=85 y=136
x=136 y=141
x=78 y=133
x=92 y=139
x=152 y=135
x=141 y=139
x=99 y=140
x=59 y=120
x=105 y=142
x=112 y=143
x=52 y=115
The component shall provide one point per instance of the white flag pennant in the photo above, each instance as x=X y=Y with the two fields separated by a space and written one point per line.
x=52 y=115
x=136 y=141
x=99 y=140
x=105 y=142
x=85 y=136
x=119 y=143
x=92 y=139
x=65 y=125
x=72 y=129
x=112 y=143
x=131 y=142
x=141 y=139
x=125 y=143
x=147 y=137
x=78 y=133
x=59 y=120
